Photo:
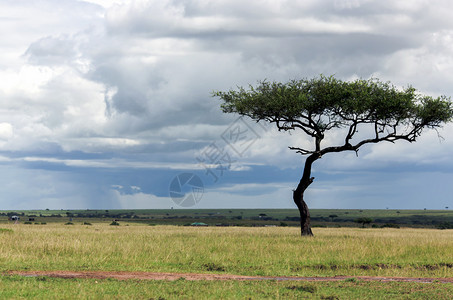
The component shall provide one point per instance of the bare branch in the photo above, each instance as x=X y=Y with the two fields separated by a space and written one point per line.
x=302 y=151
x=310 y=133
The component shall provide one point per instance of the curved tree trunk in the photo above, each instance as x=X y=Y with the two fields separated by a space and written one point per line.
x=305 y=228
x=298 y=196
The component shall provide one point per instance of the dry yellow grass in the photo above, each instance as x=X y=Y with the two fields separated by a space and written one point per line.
x=237 y=250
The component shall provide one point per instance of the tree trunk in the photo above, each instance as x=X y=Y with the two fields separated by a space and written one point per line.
x=298 y=196
x=305 y=228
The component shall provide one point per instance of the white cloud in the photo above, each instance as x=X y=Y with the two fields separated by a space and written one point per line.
x=6 y=131
x=433 y=148
x=107 y=3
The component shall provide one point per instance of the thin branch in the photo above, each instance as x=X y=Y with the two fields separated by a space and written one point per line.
x=310 y=133
x=302 y=151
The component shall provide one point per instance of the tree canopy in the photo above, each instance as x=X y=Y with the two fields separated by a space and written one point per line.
x=322 y=104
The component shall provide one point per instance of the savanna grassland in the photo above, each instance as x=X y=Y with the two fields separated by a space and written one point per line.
x=263 y=251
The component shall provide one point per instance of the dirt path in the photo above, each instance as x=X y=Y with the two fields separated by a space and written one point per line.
x=196 y=276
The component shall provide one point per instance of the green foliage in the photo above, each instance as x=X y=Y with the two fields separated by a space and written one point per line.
x=363 y=221
x=115 y=223
x=320 y=104
x=445 y=225
x=341 y=101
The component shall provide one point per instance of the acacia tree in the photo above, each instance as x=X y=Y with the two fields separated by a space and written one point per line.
x=326 y=105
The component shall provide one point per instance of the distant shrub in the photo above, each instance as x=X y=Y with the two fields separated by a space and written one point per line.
x=69 y=223
x=390 y=225
x=115 y=223
x=445 y=225
x=28 y=222
x=43 y=223
x=332 y=217
x=363 y=221
x=86 y=223
x=283 y=224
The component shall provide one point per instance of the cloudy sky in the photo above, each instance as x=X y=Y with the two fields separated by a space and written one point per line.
x=107 y=104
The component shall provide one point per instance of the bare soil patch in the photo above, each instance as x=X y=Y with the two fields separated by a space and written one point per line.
x=196 y=276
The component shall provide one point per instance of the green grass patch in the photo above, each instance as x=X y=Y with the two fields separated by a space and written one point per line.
x=16 y=287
